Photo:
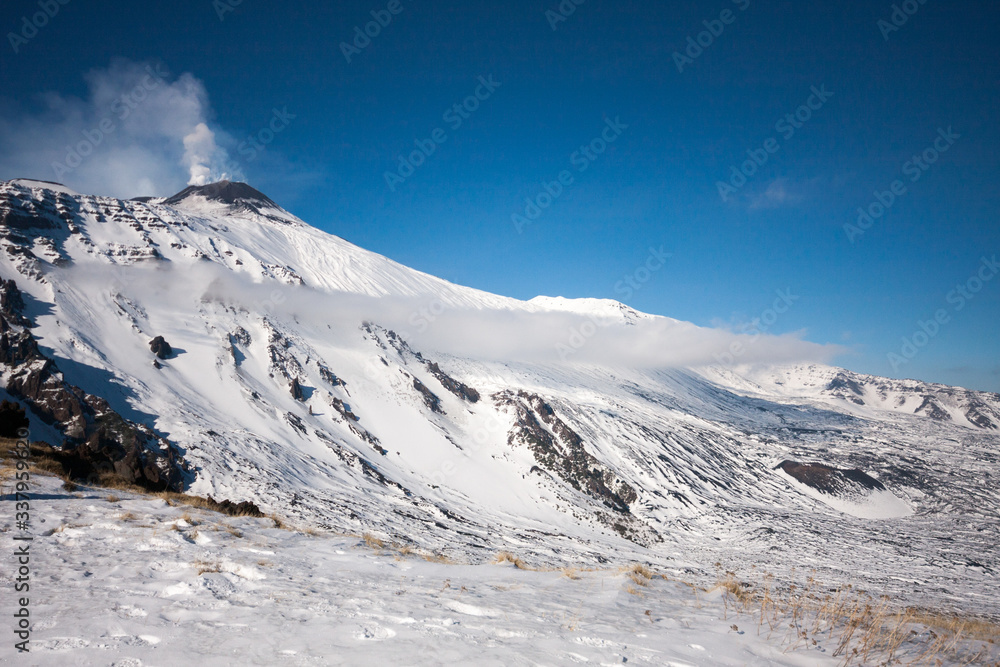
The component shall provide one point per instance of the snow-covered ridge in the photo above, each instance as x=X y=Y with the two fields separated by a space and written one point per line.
x=327 y=383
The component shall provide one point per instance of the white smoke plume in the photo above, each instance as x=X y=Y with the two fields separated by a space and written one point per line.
x=199 y=147
x=139 y=131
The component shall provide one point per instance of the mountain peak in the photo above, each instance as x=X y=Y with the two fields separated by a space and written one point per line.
x=42 y=185
x=226 y=192
x=230 y=198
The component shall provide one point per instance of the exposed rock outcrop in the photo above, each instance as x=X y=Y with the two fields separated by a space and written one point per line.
x=96 y=434
x=431 y=399
x=830 y=480
x=161 y=348
x=463 y=391
x=559 y=449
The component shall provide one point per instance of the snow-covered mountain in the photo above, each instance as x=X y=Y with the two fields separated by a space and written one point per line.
x=330 y=384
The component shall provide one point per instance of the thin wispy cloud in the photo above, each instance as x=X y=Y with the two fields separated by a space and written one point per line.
x=492 y=335
x=778 y=194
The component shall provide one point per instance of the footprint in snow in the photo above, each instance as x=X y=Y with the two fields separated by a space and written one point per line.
x=374 y=632
x=128 y=611
x=468 y=609
x=63 y=644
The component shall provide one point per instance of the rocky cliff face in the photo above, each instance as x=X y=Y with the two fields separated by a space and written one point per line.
x=93 y=431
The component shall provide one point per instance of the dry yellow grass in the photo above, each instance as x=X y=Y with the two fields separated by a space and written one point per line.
x=231 y=530
x=190 y=520
x=205 y=567
x=436 y=557
x=638 y=574
x=373 y=542
x=632 y=590
x=508 y=557
x=861 y=629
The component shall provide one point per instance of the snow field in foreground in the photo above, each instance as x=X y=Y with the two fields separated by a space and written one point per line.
x=119 y=579
x=135 y=581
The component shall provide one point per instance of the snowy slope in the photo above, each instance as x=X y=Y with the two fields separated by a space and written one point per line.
x=136 y=582
x=334 y=386
x=130 y=580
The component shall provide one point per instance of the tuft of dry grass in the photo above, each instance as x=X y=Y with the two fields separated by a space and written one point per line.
x=113 y=498
x=508 y=557
x=373 y=542
x=638 y=574
x=735 y=591
x=128 y=516
x=859 y=628
x=437 y=557
x=205 y=567
x=235 y=532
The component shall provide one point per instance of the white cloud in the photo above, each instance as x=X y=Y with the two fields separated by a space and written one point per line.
x=480 y=334
x=138 y=131
x=778 y=193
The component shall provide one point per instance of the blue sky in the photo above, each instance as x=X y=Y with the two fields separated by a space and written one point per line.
x=344 y=125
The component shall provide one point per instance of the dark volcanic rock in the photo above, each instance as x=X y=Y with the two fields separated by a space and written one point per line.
x=343 y=410
x=563 y=453
x=933 y=409
x=431 y=399
x=330 y=377
x=227 y=192
x=12 y=303
x=976 y=416
x=296 y=388
x=237 y=195
x=351 y=419
x=245 y=508
x=842 y=382
x=160 y=347
x=827 y=479
x=461 y=390
x=98 y=437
